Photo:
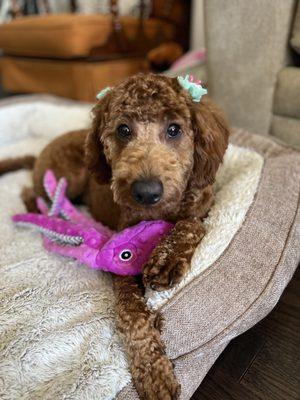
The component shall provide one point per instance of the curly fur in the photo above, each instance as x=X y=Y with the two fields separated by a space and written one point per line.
x=100 y=169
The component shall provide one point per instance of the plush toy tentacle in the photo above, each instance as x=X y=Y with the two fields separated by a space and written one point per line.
x=57 y=194
x=66 y=208
x=58 y=198
x=42 y=206
x=82 y=253
x=53 y=235
x=61 y=230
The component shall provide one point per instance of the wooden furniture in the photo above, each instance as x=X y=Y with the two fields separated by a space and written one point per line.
x=75 y=55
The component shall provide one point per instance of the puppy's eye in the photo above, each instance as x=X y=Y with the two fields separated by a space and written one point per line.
x=123 y=131
x=173 y=131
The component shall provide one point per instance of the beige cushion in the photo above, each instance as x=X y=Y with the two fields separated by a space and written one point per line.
x=57 y=316
x=286 y=129
x=295 y=39
x=70 y=35
x=287 y=93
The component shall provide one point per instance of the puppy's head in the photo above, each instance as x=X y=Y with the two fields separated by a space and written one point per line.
x=149 y=139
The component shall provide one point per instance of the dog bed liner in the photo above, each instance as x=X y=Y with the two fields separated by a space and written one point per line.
x=57 y=327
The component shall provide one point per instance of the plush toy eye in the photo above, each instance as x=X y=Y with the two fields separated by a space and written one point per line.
x=125 y=255
x=123 y=131
x=173 y=131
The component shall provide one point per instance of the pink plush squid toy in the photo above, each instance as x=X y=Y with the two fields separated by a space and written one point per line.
x=68 y=232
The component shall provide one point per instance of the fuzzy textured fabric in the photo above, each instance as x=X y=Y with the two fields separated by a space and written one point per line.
x=57 y=318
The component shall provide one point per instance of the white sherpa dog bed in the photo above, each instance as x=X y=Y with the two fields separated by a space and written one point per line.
x=57 y=330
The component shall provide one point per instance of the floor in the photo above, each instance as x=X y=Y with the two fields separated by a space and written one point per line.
x=263 y=363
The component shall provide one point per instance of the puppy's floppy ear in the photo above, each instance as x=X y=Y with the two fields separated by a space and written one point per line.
x=211 y=132
x=94 y=154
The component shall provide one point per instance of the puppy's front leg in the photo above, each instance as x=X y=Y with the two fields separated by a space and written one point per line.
x=171 y=259
x=151 y=370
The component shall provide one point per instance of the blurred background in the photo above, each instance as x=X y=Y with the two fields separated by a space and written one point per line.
x=246 y=53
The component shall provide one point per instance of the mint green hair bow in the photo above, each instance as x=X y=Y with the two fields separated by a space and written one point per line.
x=103 y=92
x=192 y=86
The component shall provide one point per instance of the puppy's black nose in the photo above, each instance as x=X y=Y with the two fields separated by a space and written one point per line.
x=147 y=192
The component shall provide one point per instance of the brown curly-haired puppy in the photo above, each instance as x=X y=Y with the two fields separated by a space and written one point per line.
x=152 y=153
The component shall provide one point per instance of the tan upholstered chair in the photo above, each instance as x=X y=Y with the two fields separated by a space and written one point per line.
x=253 y=64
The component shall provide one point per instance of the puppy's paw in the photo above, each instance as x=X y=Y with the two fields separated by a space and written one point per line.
x=164 y=276
x=171 y=259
